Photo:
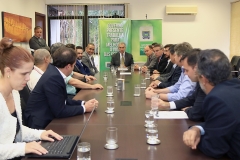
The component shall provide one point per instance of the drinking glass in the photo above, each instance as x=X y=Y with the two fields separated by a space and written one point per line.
x=147 y=76
x=111 y=138
x=143 y=83
x=152 y=132
x=105 y=76
x=137 y=90
x=132 y=67
x=84 y=151
x=109 y=91
x=154 y=104
x=110 y=105
x=149 y=118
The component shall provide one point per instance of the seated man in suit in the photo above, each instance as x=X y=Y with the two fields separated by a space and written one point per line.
x=42 y=58
x=37 y=42
x=151 y=60
x=184 y=87
x=162 y=59
x=192 y=105
x=88 y=59
x=122 y=59
x=48 y=99
x=79 y=66
x=168 y=79
x=219 y=135
x=166 y=53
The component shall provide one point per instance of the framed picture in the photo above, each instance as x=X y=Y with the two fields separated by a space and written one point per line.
x=16 y=27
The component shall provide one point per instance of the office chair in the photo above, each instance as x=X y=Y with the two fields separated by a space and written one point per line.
x=235 y=62
x=24 y=95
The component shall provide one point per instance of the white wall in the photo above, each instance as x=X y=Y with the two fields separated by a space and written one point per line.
x=210 y=28
x=26 y=8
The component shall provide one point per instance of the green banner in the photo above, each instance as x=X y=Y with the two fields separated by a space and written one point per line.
x=145 y=32
x=111 y=32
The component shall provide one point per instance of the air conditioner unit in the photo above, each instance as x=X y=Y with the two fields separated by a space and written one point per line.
x=181 y=10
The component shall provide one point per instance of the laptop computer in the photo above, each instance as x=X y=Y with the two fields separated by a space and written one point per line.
x=61 y=149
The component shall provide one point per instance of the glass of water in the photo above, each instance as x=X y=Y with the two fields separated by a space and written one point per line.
x=152 y=132
x=147 y=75
x=110 y=106
x=111 y=136
x=154 y=103
x=137 y=90
x=84 y=151
x=149 y=118
x=143 y=83
x=109 y=91
x=105 y=76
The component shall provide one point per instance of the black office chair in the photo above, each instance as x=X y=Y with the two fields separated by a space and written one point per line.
x=235 y=62
x=24 y=95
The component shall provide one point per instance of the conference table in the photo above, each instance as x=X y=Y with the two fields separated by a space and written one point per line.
x=129 y=118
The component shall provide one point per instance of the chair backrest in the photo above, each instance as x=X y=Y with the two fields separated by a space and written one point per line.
x=234 y=62
x=24 y=95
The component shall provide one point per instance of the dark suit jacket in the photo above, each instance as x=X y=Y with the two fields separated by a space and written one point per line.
x=87 y=62
x=168 y=68
x=221 y=109
x=128 y=59
x=172 y=79
x=48 y=100
x=160 y=65
x=195 y=101
x=81 y=68
x=37 y=43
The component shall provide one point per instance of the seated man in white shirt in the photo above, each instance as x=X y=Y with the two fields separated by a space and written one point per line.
x=42 y=58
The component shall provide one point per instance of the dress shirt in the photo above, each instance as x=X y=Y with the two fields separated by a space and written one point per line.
x=70 y=89
x=34 y=77
x=65 y=78
x=183 y=88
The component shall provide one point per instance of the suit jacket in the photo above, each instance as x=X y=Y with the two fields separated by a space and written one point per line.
x=172 y=78
x=86 y=60
x=195 y=101
x=128 y=59
x=160 y=64
x=37 y=43
x=151 y=61
x=49 y=100
x=222 y=121
x=81 y=68
x=168 y=68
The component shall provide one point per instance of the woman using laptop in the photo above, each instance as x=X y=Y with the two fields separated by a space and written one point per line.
x=16 y=140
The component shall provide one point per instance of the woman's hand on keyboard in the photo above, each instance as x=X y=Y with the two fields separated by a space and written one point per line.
x=35 y=147
x=49 y=135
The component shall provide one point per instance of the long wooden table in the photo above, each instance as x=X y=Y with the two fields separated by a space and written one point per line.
x=129 y=119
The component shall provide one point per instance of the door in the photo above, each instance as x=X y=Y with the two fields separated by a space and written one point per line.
x=40 y=20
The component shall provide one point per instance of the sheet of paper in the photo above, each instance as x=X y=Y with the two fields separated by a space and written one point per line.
x=122 y=69
x=171 y=115
x=125 y=73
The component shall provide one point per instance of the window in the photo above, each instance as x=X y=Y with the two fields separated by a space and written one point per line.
x=78 y=24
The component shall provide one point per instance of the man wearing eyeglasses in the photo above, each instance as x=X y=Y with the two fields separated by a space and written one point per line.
x=122 y=58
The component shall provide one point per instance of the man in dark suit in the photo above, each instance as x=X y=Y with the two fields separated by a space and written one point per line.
x=79 y=66
x=219 y=135
x=122 y=58
x=192 y=105
x=162 y=59
x=88 y=59
x=48 y=100
x=37 y=42
x=168 y=79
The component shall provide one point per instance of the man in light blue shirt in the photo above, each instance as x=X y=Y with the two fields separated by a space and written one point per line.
x=184 y=87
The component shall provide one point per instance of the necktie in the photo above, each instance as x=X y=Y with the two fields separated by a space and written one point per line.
x=122 y=61
x=92 y=59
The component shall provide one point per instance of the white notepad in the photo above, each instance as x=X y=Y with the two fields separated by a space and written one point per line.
x=171 y=115
x=125 y=73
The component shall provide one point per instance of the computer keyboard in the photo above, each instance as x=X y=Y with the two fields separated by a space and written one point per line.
x=57 y=147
